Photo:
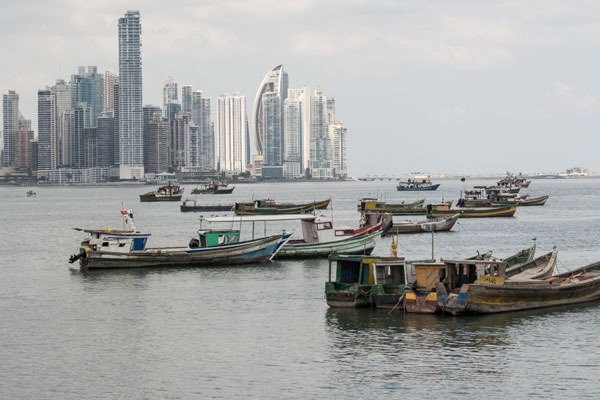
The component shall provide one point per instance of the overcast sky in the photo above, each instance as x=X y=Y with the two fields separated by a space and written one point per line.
x=438 y=86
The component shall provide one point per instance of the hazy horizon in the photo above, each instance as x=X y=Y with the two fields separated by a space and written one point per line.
x=432 y=86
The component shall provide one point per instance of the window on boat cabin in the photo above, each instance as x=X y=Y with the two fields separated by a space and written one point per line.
x=323 y=225
x=349 y=271
x=343 y=232
x=104 y=244
x=121 y=244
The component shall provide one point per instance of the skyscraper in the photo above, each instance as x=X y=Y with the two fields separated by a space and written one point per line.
x=206 y=141
x=233 y=137
x=292 y=155
x=105 y=138
x=272 y=136
x=10 y=125
x=131 y=124
x=303 y=96
x=186 y=99
x=276 y=81
x=337 y=136
x=169 y=96
x=156 y=144
x=23 y=145
x=320 y=144
x=111 y=81
x=47 y=130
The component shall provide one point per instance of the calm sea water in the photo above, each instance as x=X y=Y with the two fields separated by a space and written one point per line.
x=265 y=330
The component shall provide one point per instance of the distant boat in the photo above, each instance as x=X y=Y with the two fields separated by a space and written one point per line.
x=191 y=205
x=374 y=206
x=532 y=201
x=437 y=224
x=440 y=210
x=416 y=185
x=163 y=193
x=31 y=193
x=259 y=207
x=213 y=188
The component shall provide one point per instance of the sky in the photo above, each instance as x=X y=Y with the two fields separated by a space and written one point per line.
x=438 y=86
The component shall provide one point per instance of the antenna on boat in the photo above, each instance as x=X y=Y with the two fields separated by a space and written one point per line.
x=432 y=244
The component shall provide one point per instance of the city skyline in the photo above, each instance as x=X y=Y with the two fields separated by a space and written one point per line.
x=443 y=78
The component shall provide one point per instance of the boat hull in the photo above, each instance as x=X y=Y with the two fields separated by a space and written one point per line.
x=417 y=188
x=357 y=245
x=283 y=209
x=537 y=201
x=525 y=295
x=151 y=197
x=506 y=211
x=442 y=225
x=421 y=303
x=217 y=191
x=205 y=208
x=347 y=296
x=253 y=251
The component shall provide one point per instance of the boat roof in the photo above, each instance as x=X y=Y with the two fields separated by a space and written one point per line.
x=258 y=218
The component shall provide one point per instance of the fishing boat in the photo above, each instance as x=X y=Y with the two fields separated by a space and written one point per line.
x=522 y=257
x=533 y=201
x=318 y=205
x=540 y=268
x=421 y=297
x=193 y=205
x=440 y=210
x=354 y=278
x=127 y=248
x=412 y=185
x=368 y=205
x=260 y=207
x=163 y=193
x=436 y=224
x=31 y=193
x=213 y=188
x=494 y=293
x=320 y=237
x=512 y=180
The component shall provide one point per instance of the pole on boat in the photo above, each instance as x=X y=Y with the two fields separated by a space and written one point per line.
x=432 y=246
x=265 y=228
x=252 y=230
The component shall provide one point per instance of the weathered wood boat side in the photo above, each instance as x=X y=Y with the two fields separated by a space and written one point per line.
x=436 y=224
x=439 y=210
x=540 y=268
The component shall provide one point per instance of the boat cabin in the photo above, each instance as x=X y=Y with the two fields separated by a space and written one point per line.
x=214 y=238
x=461 y=272
x=321 y=230
x=391 y=272
x=115 y=241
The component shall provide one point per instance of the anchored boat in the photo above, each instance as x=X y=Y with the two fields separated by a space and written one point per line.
x=213 y=188
x=163 y=193
x=266 y=207
x=126 y=248
x=374 y=206
x=191 y=205
x=320 y=237
x=439 y=210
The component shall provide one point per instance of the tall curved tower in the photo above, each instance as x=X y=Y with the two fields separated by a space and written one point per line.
x=276 y=81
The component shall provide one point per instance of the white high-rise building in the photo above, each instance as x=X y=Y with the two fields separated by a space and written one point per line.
x=48 y=143
x=233 y=135
x=10 y=126
x=337 y=136
x=320 y=144
x=186 y=99
x=169 y=95
x=276 y=81
x=292 y=155
x=303 y=96
x=131 y=121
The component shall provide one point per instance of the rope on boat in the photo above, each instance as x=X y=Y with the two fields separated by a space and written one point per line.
x=400 y=300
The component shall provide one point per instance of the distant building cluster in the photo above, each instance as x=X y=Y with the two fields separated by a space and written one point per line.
x=94 y=127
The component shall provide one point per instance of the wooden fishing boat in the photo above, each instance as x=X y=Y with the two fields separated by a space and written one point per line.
x=494 y=293
x=540 y=268
x=421 y=296
x=31 y=193
x=533 y=201
x=522 y=257
x=163 y=193
x=127 y=249
x=262 y=203
x=381 y=207
x=320 y=237
x=213 y=188
x=440 y=210
x=412 y=185
x=254 y=209
x=193 y=205
x=355 y=280
x=436 y=224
